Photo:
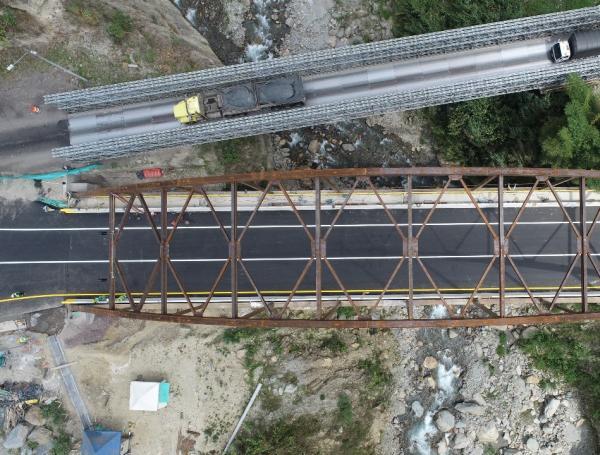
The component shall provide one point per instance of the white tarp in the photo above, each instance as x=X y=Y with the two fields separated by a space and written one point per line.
x=143 y=396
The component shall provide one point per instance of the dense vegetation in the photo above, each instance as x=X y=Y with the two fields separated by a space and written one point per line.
x=512 y=130
x=8 y=22
x=572 y=353
x=558 y=129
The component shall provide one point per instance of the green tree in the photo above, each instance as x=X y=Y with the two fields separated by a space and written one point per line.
x=411 y=17
x=500 y=131
x=577 y=142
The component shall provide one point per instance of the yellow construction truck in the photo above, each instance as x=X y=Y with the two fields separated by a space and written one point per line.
x=240 y=99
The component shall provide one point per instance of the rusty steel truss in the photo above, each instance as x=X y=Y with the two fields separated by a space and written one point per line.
x=226 y=307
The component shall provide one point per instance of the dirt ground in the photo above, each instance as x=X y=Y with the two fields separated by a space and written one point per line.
x=206 y=386
x=212 y=378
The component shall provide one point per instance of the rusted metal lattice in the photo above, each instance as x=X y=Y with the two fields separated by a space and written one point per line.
x=395 y=300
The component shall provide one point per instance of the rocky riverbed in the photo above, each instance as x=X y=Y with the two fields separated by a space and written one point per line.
x=248 y=30
x=473 y=391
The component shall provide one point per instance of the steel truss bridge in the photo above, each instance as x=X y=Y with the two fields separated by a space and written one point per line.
x=331 y=61
x=506 y=298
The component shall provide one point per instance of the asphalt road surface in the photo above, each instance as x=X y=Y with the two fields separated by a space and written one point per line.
x=26 y=138
x=48 y=253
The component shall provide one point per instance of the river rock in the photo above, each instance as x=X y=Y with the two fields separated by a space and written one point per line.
x=445 y=421
x=533 y=379
x=551 y=408
x=348 y=148
x=430 y=382
x=488 y=433
x=470 y=408
x=533 y=445
x=314 y=146
x=477 y=398
x=442 y=447
x=290 y=388
x=572 y=433
x=17 y=437
x=35 y=417
x=430 y=363
x=529 y=332
x=401 y=409
x=461 y=441
x=417 y=409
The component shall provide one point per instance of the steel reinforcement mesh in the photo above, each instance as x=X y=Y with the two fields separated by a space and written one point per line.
x=330 y=113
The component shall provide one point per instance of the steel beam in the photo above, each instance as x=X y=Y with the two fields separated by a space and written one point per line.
x=501 y=248
x=346 y=324
x=112 y=251
x=164 y=251
x=583 y=241
x=234 y=251
x=317 y=252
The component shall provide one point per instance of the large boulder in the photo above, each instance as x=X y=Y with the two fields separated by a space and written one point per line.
x=444 y=421
x=461 y=441
x=17 y=437
x=470 y=408
x=430 y=363
x=42 y=436
x=488 y=433
x=417 y=409
x=551 y=408
x=35 y=417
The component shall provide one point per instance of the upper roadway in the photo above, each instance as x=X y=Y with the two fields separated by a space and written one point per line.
x=331 y=88
x=56 y=253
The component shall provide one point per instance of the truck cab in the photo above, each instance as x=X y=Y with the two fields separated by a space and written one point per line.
x=560 y=51
x=189 y=110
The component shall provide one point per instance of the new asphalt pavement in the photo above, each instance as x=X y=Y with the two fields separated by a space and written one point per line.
x=55 y=253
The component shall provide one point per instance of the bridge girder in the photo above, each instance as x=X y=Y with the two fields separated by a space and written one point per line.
x=406 y=307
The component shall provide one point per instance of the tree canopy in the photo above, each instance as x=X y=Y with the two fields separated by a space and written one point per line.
x=576 y=143
x=523 y=129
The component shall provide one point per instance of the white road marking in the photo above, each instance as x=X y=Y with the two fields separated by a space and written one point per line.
x=285 y=226
x=290 y=259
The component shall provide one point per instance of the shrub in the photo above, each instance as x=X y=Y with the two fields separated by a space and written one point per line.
x=334 y=343
x=86 y=12
x=54 y=413
x=120 y=24
x=62 y=444
x=345 y=311
x=284 y=436
x=229 y=151
x=378 y=377
x=502 y=347
x=8 y=22
x=572 y=353
x=344 y=406
x=238 y=334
